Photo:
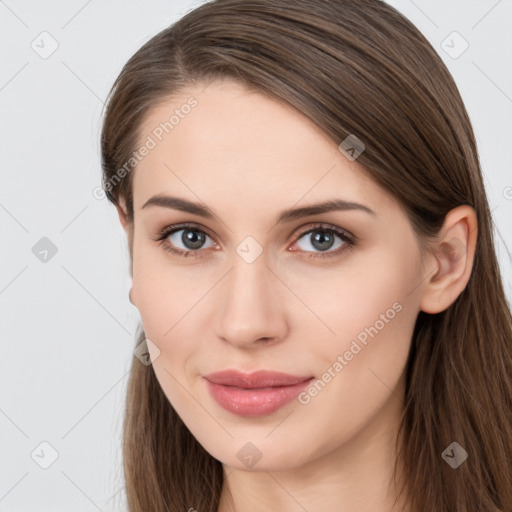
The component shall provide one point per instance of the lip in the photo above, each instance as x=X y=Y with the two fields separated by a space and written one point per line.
x=254 y=394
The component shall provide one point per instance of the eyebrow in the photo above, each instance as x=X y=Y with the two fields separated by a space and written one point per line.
x=289 y=215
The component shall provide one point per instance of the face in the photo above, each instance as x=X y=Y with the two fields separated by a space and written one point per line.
x=249 y=280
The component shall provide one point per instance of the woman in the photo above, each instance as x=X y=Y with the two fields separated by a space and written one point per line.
x=313 y=263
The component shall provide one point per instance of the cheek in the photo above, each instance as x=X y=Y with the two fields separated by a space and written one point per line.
x=372 y=313
x=166 y=305
x=160 y=291
x=171 y=302
x=360 y=373
x=372 y=309
x=367 y=294
x=361 y=368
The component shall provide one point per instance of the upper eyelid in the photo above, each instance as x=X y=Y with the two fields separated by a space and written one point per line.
x=173 y=228
x=326 y=226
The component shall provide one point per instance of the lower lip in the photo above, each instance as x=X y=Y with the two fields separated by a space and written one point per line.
x=250 y=403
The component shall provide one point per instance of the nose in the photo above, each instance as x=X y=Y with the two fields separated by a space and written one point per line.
x=251 y=309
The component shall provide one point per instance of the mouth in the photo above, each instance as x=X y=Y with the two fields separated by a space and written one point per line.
x=255 y=394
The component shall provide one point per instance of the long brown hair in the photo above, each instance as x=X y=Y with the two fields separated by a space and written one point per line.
x=352 y=67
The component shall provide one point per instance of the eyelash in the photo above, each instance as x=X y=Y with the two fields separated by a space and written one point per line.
x=350 y=240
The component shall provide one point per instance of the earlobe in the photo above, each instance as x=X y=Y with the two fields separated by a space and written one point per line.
x=454 y=255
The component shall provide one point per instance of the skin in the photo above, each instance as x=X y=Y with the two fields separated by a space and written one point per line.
x=247 y=158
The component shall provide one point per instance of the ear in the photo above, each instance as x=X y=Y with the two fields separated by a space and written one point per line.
x=452 y=260
x=122 y=212
x=127 y=226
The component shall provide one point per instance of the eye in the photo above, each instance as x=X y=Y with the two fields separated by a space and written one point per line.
x=185 y=240
x=322 y=238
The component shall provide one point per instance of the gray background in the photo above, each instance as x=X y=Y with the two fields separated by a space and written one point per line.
x=66 y=324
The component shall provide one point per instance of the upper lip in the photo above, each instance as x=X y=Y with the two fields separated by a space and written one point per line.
x=259 y=379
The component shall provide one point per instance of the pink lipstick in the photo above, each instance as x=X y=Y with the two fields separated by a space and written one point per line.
x=254 y=394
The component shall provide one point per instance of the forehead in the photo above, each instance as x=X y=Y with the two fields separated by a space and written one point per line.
x=223 y=142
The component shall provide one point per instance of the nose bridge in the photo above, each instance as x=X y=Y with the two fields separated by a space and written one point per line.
x=249 y=308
